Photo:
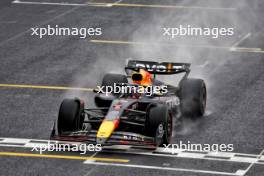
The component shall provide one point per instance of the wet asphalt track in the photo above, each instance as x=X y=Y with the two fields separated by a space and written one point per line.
x=235 y=81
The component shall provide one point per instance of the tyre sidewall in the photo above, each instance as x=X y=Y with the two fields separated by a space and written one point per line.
x=193 y=97
x=70 y=115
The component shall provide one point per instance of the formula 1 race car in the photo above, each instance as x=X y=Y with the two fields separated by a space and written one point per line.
x=132 y=116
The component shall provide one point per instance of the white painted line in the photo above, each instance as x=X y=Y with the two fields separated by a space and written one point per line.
x=163 y=168
x=118 y=147
x=169 y=150
x=159 y=152
x=243 y=159
x=241 y=40
x=252 y=164
x=221 y=154
x=240 y=172
x=91 y=170
x=191 y=155
x=12 y=145
x=15 y=140
x=37 y=146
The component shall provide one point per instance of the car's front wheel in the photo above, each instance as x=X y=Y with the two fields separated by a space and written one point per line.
x=159 y=124
x=70 y=116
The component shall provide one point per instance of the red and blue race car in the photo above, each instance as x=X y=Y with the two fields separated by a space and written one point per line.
x=137 y=115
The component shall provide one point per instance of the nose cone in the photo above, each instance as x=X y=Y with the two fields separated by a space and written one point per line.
x=105 y=131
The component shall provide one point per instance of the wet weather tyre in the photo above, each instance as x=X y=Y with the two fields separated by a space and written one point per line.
x=193 y=97
x=159 y=115
x=70 y=116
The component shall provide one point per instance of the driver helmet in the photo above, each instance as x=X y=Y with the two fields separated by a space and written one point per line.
x=141 y=77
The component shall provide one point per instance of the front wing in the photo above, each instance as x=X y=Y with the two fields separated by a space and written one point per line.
x=117 y=138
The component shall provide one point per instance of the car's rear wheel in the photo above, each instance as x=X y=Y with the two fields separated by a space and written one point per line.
x=71 y=115
x=159 y=122
x=109 y=79
x=193 y=97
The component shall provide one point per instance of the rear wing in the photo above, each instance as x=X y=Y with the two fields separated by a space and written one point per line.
x=165 y=68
